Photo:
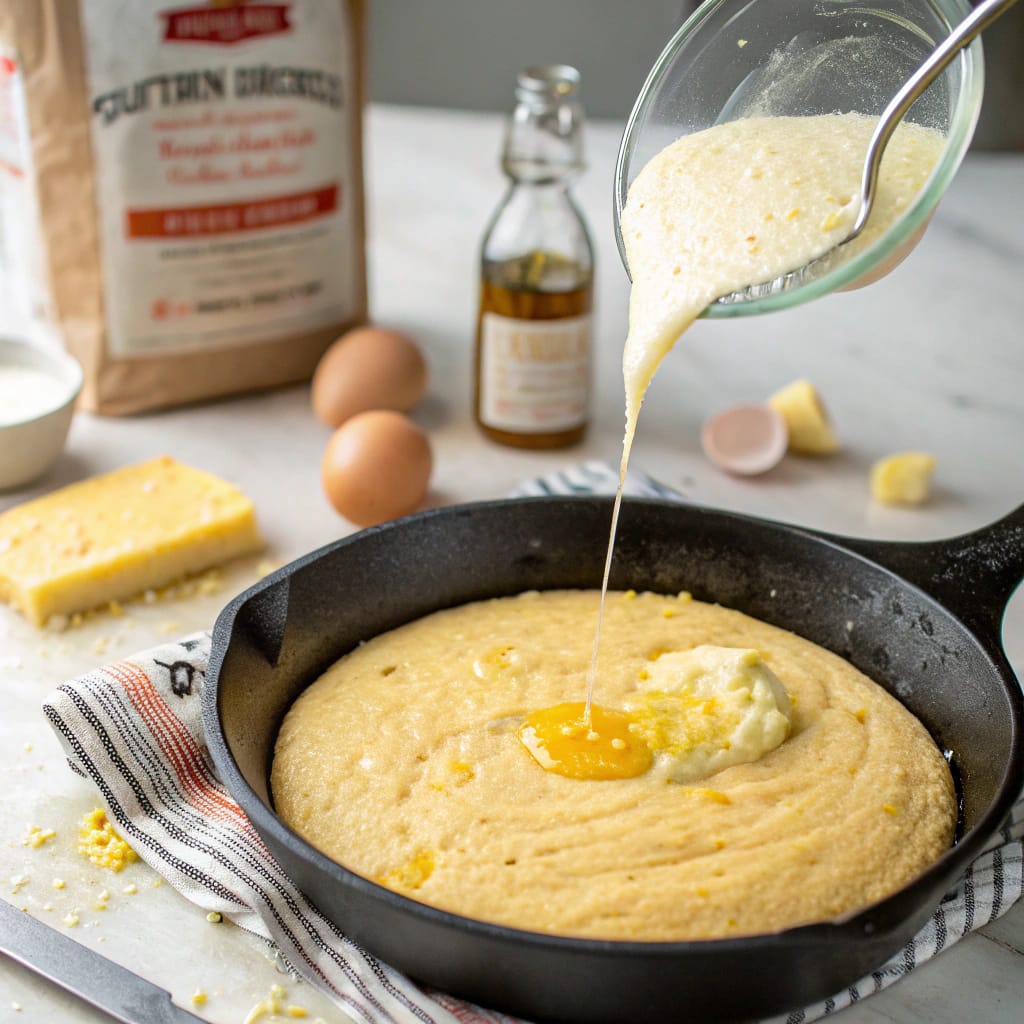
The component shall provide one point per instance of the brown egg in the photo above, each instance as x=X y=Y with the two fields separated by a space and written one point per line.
x=376 y=467
x=368 y=368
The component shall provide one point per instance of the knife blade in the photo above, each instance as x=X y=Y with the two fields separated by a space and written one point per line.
x=107 y=986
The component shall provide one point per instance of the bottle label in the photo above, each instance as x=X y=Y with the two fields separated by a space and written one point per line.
x=534 y=374
x=224 y=140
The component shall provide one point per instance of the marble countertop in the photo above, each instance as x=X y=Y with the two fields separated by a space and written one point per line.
x=930 y=358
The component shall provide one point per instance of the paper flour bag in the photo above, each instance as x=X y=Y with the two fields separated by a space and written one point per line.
x=181 y=188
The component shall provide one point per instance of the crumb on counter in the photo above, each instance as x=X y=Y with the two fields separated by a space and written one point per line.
x=130 y=890
x=98 y=841
x=199 y=997
x=267 y=1006
x=211 y=582
x=71 y=919
x=58 y=883
x=214 y=917
x=36 y=836
x=17 y=882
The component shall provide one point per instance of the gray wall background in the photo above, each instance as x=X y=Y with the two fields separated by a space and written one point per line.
x=466 y=54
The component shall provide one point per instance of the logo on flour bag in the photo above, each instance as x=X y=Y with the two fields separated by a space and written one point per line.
x=224 y=22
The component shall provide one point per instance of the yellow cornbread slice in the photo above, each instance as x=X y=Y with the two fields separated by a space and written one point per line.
x=116 y=535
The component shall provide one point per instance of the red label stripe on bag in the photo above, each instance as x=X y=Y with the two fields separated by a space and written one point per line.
x=228 y=218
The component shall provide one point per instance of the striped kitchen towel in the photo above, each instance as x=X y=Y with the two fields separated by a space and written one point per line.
x=135 y=729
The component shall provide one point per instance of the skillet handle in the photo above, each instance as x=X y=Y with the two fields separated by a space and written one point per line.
x=973 y=575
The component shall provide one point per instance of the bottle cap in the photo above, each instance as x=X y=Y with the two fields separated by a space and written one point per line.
x=553 y=81
x=544 y=138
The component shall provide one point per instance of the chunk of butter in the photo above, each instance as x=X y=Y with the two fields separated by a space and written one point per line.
x=810 y=430
x=902 y=479
x=705 y=709
x=116 y=535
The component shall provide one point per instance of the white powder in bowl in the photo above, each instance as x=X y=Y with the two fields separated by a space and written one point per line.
x=26 y=392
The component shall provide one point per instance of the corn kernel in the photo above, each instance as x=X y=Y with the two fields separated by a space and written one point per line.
x=831 y=221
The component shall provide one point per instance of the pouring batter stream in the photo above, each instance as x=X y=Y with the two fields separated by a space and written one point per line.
x=727 y=207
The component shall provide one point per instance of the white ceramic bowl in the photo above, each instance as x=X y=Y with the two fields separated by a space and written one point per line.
x=28 y=447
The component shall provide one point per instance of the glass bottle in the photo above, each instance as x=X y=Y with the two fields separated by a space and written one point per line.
x=533 y=342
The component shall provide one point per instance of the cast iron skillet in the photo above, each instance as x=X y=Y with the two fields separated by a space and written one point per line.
x=921 y=619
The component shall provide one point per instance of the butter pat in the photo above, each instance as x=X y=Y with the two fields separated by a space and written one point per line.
x=708 y=708
x=902 y=479
x=117 y=535
x=810 y=431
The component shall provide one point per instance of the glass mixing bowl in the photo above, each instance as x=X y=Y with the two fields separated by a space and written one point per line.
x=741 y=58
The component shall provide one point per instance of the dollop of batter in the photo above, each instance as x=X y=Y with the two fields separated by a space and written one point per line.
x=405 y=763
x=705 y=709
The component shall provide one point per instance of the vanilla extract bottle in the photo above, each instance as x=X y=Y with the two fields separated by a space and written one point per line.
x=533 y=342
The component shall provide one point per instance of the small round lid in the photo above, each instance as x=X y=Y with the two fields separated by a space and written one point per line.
x=549 y=80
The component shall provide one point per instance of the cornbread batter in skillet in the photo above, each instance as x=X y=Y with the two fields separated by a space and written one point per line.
x=409 y=763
